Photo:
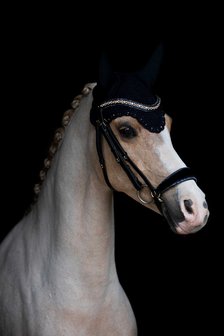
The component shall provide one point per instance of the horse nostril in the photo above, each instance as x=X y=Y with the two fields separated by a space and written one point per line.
x=205 y=205
x=188 y=205
x=205 y=219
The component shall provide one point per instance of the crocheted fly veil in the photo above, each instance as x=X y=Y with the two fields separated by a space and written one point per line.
x=129 y=94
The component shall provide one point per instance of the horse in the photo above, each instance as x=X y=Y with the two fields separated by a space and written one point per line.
x=58 y=271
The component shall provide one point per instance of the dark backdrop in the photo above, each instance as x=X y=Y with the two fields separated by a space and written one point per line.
x=47 y=57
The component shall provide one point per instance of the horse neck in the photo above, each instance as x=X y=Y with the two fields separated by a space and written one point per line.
x=74 y=212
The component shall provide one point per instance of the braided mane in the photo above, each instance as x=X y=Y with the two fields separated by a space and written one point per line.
x=57 y=139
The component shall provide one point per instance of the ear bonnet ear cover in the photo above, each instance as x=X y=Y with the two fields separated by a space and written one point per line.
x=120 y=94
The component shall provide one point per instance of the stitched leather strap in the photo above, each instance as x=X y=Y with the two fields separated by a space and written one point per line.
x=179 y=176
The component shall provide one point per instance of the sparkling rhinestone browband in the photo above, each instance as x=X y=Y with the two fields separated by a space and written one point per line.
x=132 y=104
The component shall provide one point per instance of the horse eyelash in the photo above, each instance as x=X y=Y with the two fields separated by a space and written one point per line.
x=123 y=126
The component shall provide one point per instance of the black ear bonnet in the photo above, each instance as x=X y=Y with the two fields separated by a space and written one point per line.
x=120 y=94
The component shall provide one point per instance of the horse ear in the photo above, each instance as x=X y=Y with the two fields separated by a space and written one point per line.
x=150 y=71
x=105 y=71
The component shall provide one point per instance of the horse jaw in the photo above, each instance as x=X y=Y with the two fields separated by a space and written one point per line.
x=185 y=208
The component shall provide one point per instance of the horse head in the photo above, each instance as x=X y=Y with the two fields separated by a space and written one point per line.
x=138 y=157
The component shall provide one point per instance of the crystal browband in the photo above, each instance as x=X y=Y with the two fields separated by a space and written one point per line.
x=131 y=103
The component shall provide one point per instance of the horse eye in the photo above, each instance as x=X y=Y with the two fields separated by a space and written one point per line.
x=127 y=132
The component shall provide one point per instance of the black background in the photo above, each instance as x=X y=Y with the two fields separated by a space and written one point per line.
x=48 y=54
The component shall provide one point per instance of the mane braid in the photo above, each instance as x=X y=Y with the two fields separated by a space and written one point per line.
x=57 y=140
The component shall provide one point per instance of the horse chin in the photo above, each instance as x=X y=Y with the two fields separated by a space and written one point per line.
x=172 y=217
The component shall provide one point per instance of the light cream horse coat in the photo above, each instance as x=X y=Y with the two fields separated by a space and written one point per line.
x=57 y=267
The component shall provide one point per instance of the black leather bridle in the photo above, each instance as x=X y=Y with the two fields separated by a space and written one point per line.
x=103 y=129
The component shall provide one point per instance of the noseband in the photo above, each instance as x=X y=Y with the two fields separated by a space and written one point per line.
x=103 y=129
